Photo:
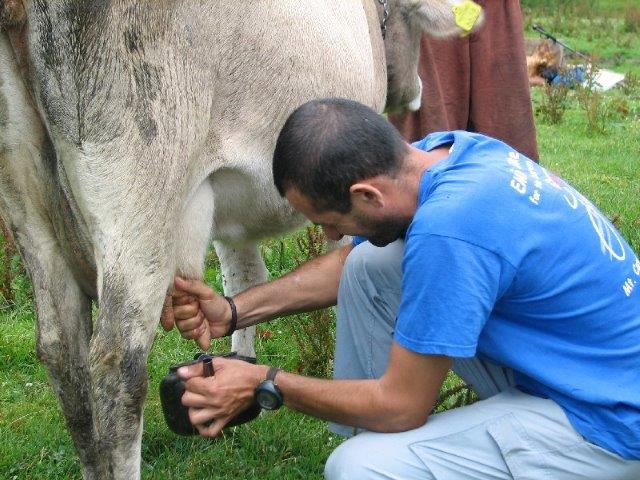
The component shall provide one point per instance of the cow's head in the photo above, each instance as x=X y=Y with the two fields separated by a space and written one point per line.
x=407 y=21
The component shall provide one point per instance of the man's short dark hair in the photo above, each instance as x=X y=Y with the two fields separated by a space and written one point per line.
x=328 y=145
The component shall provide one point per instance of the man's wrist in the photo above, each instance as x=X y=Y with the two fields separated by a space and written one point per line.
x=261 y=373
x=267 y=393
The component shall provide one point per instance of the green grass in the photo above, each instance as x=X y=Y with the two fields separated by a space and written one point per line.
x=603 y=167
x=606 y=31
x=34 y=442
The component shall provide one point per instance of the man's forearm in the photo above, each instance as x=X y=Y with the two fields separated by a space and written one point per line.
x=357 y=403
x=311 y=286
x=400 y=400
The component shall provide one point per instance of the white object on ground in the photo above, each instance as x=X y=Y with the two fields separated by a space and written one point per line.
x=607 y=79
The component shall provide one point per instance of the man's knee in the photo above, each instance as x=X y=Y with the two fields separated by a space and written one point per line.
x=350 y=461
x=343 y=464
x=371 y=456
x=381 y=266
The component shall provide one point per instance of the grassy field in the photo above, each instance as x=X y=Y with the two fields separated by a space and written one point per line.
x=605 y=30
x=605 y=166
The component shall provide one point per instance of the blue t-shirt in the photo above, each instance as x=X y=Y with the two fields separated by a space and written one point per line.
x=505 y=260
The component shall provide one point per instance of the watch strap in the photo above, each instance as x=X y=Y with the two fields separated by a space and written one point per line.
x=271 y=374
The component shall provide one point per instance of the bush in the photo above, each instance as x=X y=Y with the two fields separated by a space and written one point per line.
x=631 y=20
x=9 y=265
x=313 y=332
x=592 y=102
x=631 y=85
x=553 y=104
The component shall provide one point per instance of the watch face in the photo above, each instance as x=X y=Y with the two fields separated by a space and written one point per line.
x=268 y=395
x=267 y=400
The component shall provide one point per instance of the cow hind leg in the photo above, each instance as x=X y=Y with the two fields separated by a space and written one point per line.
x=130 y=304
x=242 y=267
x=64 y=330
x=135 y=273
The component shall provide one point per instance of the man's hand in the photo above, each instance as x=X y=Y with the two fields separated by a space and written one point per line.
x=219 y=398
x=199 y=312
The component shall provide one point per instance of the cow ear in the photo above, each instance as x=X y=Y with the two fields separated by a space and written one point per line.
x=446 y=18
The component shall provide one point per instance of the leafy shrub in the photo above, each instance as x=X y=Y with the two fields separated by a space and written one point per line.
x=10 y=265
x=618 y=108
x=592 y=102
x=631 y=85
x=631 y=20
x=313 y=332
x=456 y=396
x=553 y=103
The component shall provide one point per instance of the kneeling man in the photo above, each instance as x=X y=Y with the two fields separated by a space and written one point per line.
x=468 y=255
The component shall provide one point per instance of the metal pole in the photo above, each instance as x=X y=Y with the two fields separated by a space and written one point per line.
x=543 y=32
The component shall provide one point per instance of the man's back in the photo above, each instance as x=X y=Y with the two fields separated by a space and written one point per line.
x=505 y=259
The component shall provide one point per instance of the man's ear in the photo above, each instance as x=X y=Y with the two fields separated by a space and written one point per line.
x=365 y=195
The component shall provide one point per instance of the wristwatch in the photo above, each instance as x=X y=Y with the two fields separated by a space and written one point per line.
x=268 y=395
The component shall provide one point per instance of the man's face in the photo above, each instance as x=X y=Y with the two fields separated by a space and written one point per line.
x=380 y=231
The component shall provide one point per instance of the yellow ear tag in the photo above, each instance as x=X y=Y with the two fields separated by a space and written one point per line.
x=467 y=14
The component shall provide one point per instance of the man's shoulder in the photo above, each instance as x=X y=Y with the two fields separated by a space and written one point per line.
x=462 y=193
x=473 y=200
x=464 y=139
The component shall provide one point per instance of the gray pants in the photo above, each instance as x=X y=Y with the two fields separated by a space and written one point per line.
x=507 y=435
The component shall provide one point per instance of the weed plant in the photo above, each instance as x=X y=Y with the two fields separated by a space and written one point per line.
x=593 y=104
x=630 y=87
x=632 y=20
x=553 y=103
x=10 y=266
x=313 y=332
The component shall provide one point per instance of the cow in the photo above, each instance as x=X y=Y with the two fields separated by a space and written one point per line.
x=134 y=132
